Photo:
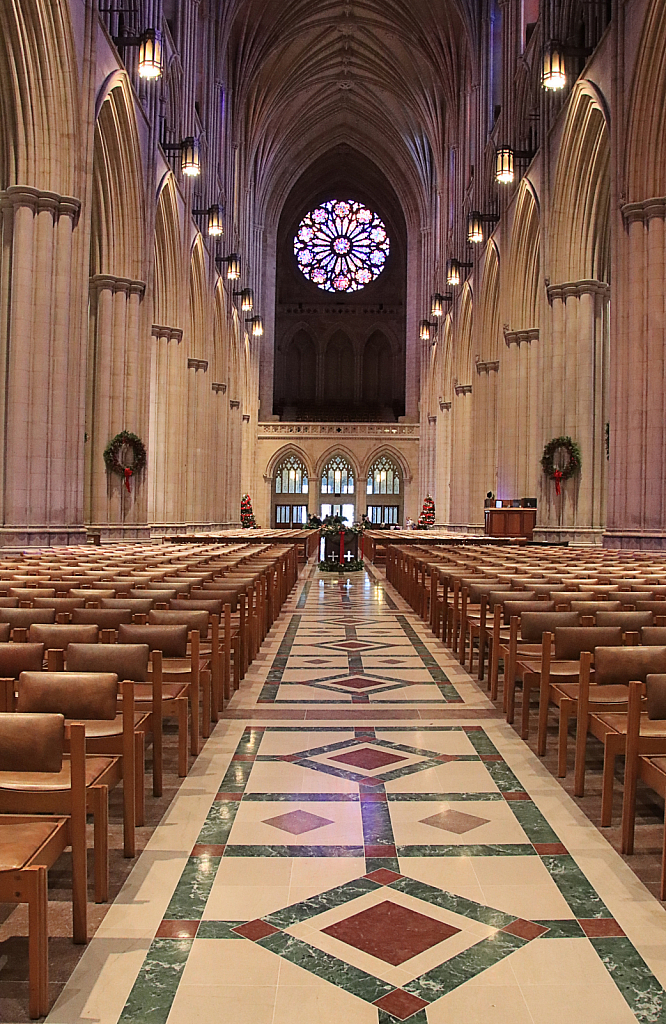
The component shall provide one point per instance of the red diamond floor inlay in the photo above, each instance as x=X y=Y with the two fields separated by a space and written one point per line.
x=368 y=758
x=600 y=927
x=357 y=682
x=255 y=930
x=391 y=932
x=297 y=822
x=454 y=821
x=400 y=1004
x=383 y=876
x=525 y=929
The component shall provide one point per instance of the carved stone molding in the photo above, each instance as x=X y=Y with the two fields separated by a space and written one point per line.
x=167 y=333
x=246 y=417
x=486 y=367
x=444 y=406
x=388 y=431
x=217 y=388
x=24 y=195
x=197 y=364
x=463 y=389
x=101 y=282
x=518 y=337
x=645 y=210
x=234 y=403
x=577 y=288
x=432 y=419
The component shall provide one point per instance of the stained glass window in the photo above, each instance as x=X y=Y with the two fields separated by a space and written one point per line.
x=383 y=478
x=291 y=477
x=337 y=477
x=341 y=246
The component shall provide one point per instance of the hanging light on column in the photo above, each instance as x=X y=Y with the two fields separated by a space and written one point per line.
x=257 y=325
x=453 y=268
x=190 y=161
x=553 y=76
x=150 y=54
x=426 y=330
x=437 y=303
x=474 y=228
x=215 y=221
x=504 y=173
x=233 y=262
x=246 y=296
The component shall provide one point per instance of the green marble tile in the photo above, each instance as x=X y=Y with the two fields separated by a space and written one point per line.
x=304 y=797
x=482 y=742
x=564 y=929
x=250 y=742
x=442 y=797
x=153 y=992
x=503 y=777
x=219 y=930
x=455 y=972
x=322 y=902
x=191 y=894
x=456 y=904
x=580 y=895
x=217 y=826
x=633 y=977
x=388 y=863
x=417 y=1018
x=241 y=850
x=328 y=967
x=236 y=776
x=489 y=850
x=532 y=821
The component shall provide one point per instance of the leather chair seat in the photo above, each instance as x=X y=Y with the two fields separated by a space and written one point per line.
x=102 y=728
x=659 y=762
x=618 y=722
x=19 y=842
x=143 y=692
x=561 y=672
x=53 y=782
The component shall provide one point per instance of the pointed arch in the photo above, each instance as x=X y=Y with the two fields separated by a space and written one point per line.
x=463 y=355
x=378 y=377
x=490 y=305
x=168 y=257
x=39 y=105
x=339 y=369
x=581 y=196
x=524 y=262
x=197 y=338
x=300 y=379
x=645 y=154
x=118 y=215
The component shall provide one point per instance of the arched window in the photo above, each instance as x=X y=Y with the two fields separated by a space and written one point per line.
x=291 y=477
x=337 y=477
x=383 y=477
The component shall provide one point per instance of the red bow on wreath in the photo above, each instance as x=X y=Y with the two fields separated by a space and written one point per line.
x=128 y=477
x=557 y=477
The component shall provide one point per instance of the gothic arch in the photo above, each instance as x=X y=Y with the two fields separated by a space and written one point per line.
x=581 y=195
x=331 y=453
x=198 y=302
x=39 y=105
x=390 y=453
x=378 y=370
x=339 y=369
x=645 y=154
x=168 y=257
x=490 y=305
x=463 y=356
x=524 y=261
x=283 y=453
x=117 y=242
x=300 y=368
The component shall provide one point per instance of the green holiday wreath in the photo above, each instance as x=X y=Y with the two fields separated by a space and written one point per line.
x=353 y=565
x=125 y=439
x=572 y=466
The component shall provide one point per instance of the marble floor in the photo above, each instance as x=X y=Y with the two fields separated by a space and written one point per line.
x=365 y=841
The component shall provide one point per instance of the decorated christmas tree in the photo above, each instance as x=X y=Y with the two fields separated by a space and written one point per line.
x=427 y=517
x=247 y=515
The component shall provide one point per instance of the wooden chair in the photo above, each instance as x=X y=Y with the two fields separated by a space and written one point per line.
x=642 y=761
x=614 y=669
x=523 y=653
x=91 y=698
x=31 y=844
x=559 y=678
x=57 y=638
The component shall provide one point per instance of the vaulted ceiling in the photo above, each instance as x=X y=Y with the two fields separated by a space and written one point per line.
x=382 y=76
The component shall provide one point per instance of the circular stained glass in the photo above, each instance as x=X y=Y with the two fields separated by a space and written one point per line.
x=341 y=246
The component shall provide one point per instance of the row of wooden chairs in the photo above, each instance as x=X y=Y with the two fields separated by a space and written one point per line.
x=80 y=696
x=587 y=635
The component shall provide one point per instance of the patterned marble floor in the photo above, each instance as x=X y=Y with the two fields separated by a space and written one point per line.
x=365 y=841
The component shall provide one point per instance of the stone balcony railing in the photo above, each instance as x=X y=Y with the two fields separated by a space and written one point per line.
x=406 y=431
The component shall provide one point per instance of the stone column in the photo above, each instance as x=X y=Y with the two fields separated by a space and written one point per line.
x=574 y=402
x=165 y=352
x=517 y=457
x=118 y=376
x=637 y=466
x=43 y=362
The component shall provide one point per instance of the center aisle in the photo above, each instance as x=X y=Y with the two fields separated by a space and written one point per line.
x=363 y=840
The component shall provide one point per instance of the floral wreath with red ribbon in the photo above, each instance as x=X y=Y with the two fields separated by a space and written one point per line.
x=112 y=452
x=572 y=466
